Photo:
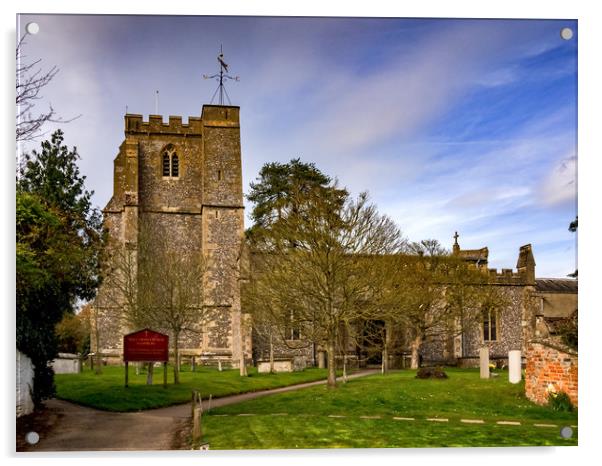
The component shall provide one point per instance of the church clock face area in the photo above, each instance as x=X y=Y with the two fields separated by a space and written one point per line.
x=376 y=216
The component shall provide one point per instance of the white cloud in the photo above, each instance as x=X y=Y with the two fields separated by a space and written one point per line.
x=358 y=102
x=560 y=185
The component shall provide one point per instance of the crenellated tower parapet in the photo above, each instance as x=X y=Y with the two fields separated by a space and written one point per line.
x=505 y=277
x=135 y=124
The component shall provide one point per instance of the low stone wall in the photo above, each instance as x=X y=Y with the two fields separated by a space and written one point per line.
x=24 y=384
x=550 y=368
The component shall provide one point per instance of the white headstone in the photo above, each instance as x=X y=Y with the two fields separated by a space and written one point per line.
x=484 y=362
x=514 y=366
x=25 y=372
x=321 y=359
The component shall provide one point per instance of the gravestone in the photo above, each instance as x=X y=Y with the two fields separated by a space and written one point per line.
x=321 y=359
x=514 y=366
x=484 y=362
x=67 y=363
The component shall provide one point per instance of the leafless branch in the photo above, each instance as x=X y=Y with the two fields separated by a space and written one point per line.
x=30 y=80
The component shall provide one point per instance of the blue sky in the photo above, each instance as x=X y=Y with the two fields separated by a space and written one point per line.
x=466 y=125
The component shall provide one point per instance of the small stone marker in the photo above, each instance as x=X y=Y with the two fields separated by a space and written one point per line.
x=321 y=360
x=472 y=421
x=484 y=362
x=197 y=413
x=508 y=423
x=437 y=419
x=545 y=425
x=404 y=418
x=514 y=366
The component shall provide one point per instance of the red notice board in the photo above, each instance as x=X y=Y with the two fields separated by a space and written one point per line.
x=146 y=345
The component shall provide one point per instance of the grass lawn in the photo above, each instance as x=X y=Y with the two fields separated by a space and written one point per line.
x=301 y=419
x=106 y=391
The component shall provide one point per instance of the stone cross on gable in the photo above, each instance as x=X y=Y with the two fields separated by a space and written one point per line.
x=456 y=247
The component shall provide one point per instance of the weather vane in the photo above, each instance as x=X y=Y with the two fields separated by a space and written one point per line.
x=221 y=77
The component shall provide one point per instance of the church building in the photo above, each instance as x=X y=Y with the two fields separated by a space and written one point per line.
x=185 y=181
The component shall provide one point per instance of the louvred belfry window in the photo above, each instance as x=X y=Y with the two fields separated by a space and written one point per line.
x=174 y=166
x=165 y=164
x=171 y=163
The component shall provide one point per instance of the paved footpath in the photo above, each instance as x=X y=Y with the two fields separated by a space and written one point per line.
x=66 y=426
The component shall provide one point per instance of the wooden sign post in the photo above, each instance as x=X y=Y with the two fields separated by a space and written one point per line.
x=146 y=346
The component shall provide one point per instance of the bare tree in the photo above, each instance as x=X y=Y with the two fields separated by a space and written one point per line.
x=174 y=298
x=30 y=80
x=277 y=328
x=318 y=266
x=416 y=295
x=437 y=295
x=151 y=285
x=118 y=296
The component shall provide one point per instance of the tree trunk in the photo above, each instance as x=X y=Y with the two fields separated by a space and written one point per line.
x=271 y=354
x=332 y=369
x=243 y=363
x=416 y=343
x=176 y=366
x=98 y=364
x=387 y=342
x=345 y=368
x=97 y=356
x=149 y=373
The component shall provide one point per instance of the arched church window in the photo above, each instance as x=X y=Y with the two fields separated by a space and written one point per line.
x=489 y=325
x=171 y=163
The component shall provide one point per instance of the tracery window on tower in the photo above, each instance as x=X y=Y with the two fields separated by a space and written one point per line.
x=171 y=163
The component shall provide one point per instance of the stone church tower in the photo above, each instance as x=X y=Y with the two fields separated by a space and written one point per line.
x=185 y=180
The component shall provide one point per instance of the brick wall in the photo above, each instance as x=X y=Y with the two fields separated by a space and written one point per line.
x=549 y=366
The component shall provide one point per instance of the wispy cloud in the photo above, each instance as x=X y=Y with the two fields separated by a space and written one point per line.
x=450 y=125
x=560 y=186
